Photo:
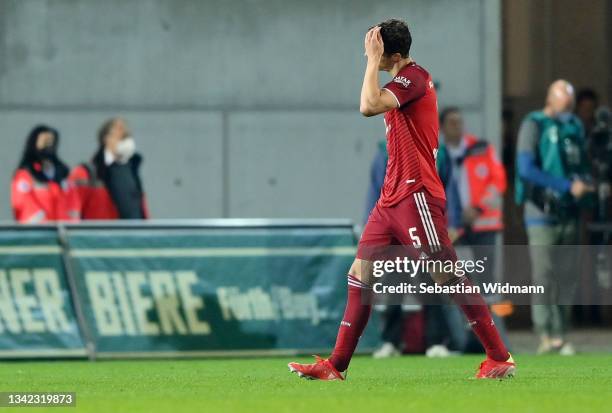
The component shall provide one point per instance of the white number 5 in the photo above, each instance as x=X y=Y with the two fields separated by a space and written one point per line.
x=416 y=241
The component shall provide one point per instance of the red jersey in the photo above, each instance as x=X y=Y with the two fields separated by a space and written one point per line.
x=412 y=137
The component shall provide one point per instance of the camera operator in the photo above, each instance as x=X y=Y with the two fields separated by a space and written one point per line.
x=553 y=184
x=600 y=154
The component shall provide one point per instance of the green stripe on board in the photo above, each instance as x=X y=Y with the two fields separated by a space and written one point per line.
x=42 y=353
x=212 y=252
x=31 y=250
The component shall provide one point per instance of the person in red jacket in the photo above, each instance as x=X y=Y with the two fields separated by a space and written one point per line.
x=474 y=180
x=40 y=191
x=109 y=186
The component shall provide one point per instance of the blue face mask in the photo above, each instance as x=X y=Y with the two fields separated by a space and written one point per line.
x=564 y=116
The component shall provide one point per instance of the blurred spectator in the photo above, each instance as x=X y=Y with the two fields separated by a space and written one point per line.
x=110 y=186
x=552 y=176
x=40 y=190
x=598 y=128
x=599 y=143
x=474 y=180
x=377 y=177
x=393 y=317
x=586 y=104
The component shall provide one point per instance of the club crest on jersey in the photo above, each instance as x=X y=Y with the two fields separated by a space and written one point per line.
x=402 y=81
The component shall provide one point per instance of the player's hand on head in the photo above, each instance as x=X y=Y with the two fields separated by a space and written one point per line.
x=374 y=46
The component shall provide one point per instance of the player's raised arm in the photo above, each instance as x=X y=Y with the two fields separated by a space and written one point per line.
x=374 y=100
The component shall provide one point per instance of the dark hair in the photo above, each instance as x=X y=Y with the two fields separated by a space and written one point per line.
x=31 y=154
x=587 y=94
x=396 y=37
x=449 y=110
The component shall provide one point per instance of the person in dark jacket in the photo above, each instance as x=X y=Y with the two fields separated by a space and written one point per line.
x=110 y=186
x=40 y=191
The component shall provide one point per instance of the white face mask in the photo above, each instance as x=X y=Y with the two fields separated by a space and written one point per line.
x=125 y=149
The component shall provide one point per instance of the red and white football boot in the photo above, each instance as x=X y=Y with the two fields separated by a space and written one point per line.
x=491 y=369
x=321 y=369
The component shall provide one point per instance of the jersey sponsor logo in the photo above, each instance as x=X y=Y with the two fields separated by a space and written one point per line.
x=402 y=81
x=431 y=84
x=410 y=181
x=435 y=154
x=345 y=323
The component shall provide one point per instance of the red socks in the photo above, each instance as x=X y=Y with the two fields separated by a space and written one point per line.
x=357 y=313
x=353 y=323
x=479 y=317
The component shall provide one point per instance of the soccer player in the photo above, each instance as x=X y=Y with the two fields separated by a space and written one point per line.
x=411 y=208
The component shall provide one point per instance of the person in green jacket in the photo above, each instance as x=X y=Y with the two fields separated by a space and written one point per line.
x=552 y=182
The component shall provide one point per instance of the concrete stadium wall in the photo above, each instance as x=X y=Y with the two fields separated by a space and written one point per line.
x=242 y=108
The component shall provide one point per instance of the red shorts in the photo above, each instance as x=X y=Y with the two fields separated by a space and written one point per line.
x=418 y=223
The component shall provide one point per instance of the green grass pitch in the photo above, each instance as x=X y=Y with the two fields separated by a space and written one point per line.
x=408 y=384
